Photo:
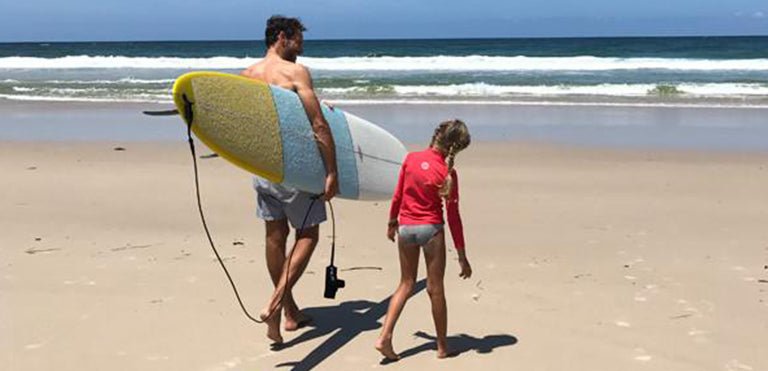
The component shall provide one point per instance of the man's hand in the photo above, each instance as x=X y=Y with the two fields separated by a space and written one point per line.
x=329 y=104
x=331 y=186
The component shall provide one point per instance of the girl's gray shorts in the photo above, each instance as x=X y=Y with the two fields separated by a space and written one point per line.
x=418 y=234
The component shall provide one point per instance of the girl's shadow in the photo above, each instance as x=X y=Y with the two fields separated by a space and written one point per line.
x=459 y=344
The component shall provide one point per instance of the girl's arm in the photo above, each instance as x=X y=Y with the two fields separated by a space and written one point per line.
x=397 y=198
x=454 y=218
x=457 y=229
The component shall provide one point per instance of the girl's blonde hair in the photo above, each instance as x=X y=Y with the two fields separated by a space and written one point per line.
x=450 y=137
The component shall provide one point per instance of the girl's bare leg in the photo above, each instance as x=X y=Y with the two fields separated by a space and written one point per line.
x=434 y=254
x=409 y=265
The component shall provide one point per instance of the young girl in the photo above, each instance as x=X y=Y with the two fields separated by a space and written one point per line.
x=426 y=179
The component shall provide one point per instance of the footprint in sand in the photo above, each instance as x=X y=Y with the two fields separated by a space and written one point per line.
x=641 y=296
x=157 y=358
x=35 y=346
x=262 y=356
x=735 y=365
x=80 y=281
x=696 y=332
x=227 y=365
x=642 y=356
x=699 y=336
x=622 y=324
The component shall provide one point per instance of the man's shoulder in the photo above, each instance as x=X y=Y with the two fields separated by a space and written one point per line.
x=289 y=69
x=252 y=71
x=296 y=69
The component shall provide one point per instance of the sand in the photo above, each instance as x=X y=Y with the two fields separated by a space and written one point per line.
x=584 y=259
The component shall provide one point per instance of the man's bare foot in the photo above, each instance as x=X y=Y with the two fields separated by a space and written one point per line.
x=296 y=320
x=384 y=346
x=273 y=325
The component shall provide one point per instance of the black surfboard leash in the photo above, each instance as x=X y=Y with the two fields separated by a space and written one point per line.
x=189 y=119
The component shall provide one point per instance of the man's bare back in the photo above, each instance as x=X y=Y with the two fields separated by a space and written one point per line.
x=279 y=67
x=275 y=71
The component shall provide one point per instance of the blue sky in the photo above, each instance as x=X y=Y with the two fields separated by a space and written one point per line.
x=103 y=20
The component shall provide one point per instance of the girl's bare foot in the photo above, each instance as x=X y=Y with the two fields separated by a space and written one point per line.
x=384 y=346
x=273 y=325
x=442 y=351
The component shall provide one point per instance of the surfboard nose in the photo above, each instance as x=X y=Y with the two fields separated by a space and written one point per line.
x=236 y=118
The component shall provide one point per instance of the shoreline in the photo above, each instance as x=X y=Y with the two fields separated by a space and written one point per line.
x=652 y=128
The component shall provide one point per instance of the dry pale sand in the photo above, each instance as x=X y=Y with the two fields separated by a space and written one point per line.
x=583 y=259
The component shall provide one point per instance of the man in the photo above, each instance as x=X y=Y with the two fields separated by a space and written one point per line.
x=278 y=204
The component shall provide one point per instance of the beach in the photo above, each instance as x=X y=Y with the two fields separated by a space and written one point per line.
x=634 y=246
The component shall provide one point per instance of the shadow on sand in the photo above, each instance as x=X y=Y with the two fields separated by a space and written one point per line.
x=351 y=318
x=348 y=320
x=458 y=344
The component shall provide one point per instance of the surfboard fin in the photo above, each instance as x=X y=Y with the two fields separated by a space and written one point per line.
x=171 y=112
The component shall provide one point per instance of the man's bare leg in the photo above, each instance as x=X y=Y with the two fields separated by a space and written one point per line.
x=276 y=237
x=305 y=245
x=294 y=318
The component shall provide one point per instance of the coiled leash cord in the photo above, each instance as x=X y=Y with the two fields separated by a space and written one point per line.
x=188 y=117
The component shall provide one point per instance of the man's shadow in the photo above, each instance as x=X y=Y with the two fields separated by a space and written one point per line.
x=347 y=320
x=459 y=344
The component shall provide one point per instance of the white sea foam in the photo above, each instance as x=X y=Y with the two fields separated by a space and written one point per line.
x=714 y=90
x=684 y=94
x=363 y=102
x=125 y=80
x=57 y=91
x=432 y=63
x=102 y=62
x=46 y=98
x=522 y=63
x=353 y=102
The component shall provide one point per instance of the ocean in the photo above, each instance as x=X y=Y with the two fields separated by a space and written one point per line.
x=659 y=71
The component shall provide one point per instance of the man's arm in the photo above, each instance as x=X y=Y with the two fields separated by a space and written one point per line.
x=303 y=85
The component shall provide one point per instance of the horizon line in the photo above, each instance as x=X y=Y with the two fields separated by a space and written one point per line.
x=390 y=39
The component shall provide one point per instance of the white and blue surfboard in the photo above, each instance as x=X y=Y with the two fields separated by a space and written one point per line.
x=264 y=130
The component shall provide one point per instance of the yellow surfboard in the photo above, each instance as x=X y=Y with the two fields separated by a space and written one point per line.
x=264 y=130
